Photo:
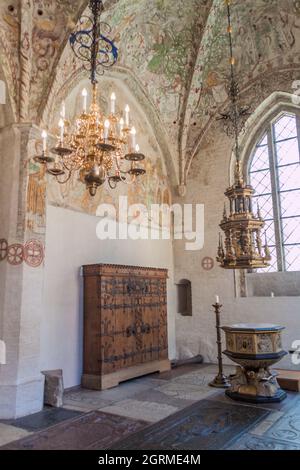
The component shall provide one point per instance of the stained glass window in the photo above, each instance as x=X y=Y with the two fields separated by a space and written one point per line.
x=274 y=173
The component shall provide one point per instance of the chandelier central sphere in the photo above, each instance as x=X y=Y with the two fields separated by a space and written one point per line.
x=99 y=148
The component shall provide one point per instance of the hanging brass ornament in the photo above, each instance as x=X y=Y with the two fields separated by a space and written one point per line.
x=243 y=247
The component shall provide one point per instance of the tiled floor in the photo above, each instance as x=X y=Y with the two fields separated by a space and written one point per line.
x=154 y=397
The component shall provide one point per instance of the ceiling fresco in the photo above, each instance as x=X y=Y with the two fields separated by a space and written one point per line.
x=173 y=56
x=266 y=35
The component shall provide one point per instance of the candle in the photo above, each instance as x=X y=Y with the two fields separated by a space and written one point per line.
x=121 y=124
x=217 y=299
x=137 y=148
x=133 y=134
x=44 y=137
x=63 y=110
x=61 y=126
x=84 y=95
x=106 y=127
x=96 y=170
x=113 y=103
x=127 y=109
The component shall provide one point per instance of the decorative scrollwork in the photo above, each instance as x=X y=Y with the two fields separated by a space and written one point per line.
x=91 y=42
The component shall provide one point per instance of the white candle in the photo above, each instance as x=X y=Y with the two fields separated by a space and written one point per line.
x=113 y=103
x=133 y=134
x=106 y=127
x=137 y=148
x=121 y=126
x=44 y=137
x=217 y=299
x=96 y=170
x=127 y=109
x=61 y=126
x=63 y=110
x=84 y=95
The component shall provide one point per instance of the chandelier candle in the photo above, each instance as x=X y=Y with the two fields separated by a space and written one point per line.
x=84 y=95
x=63 y=111
x=106 y=129
x=127 y=109
x=121 y=124
x=113 y=103
x=44 y=137
x=133 y=134
x=61 y=125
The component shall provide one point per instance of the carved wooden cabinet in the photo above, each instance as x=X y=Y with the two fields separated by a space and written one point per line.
x=125 y=323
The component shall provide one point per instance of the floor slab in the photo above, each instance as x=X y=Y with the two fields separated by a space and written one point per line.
x=11 y=433
x=205 y=425
x=150 y=411
x=43 y=419
x=250 y=442
x=186 y=391
x=94 y=430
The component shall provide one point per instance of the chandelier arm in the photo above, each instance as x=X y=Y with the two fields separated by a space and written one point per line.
x=111 y=185
x=66 y=179
x=131 y=181
x=72 y=167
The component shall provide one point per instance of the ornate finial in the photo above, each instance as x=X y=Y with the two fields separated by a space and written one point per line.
x=221 y=254
x=258 y=211
x=224 y=212
x=267 y=249
x=238 y=175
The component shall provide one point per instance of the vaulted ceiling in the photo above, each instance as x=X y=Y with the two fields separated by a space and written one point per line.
x=176 y=51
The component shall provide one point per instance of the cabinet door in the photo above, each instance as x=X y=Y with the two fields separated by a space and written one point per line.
x=163 y=320
x=118 y=333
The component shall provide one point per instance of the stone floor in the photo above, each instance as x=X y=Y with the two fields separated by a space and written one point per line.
x=156 y=396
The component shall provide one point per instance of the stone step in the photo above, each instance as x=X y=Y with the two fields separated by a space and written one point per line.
x=289 y=379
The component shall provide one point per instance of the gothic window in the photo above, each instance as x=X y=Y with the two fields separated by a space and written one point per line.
x=274 y=173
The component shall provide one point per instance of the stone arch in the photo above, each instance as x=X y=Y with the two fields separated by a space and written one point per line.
x=269 y=109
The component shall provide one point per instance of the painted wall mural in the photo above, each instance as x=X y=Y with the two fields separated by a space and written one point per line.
x=32 y=36
x=36 y=190
x=31 y=253
x=175 y=51
x=270 y=30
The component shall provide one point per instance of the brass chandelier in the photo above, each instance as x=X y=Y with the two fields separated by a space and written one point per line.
x=98 y=148
x=243 y=247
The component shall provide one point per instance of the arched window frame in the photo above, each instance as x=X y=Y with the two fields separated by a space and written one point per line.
x=267 y=127
x=184 y=297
